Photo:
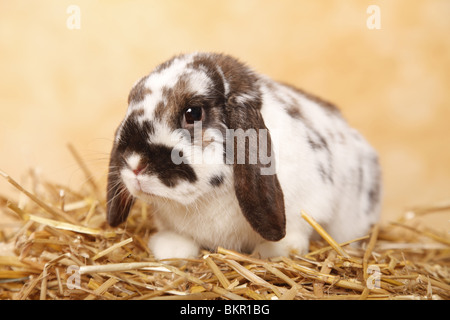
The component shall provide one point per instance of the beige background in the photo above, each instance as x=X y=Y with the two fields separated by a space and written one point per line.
x=59 y=85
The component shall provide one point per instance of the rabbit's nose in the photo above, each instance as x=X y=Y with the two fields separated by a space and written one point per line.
x=136 y=163
x=140 y=167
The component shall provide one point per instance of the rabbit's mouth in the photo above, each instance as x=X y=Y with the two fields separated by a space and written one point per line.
x=147 y=187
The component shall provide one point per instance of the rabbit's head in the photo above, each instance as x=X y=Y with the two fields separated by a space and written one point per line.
x=194 y=126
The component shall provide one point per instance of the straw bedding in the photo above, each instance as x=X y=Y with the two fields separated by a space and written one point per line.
x=60 y=247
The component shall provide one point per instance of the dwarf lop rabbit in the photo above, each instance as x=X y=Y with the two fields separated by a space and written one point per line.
x=178 y=149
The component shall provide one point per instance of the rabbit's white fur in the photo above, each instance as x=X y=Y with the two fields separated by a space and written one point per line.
x=323 y=166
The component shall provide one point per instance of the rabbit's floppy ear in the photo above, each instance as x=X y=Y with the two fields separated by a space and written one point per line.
x=119 y=199
x=259 y=195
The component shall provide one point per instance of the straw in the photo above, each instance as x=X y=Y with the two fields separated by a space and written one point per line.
x=369 y=249
x=55 y=253
x=42 y=204
x=324 y=235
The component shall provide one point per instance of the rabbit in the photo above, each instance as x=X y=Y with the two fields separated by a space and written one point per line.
x=178 y=148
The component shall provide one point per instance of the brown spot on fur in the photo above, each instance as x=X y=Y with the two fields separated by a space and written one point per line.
x=294 y=112
x=137 y=113
x=374 y=193
x=327 y=106
x=211 y=69
x=241 y=79
x=290 y=104
x=161 y=164
x=138 y=92
x=175 y=100
x=316 y=140
x=216 y=181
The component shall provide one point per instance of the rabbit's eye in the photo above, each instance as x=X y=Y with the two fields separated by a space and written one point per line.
x=193 y=114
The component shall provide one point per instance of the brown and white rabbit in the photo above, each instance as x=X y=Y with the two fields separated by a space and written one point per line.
x=228 y=157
